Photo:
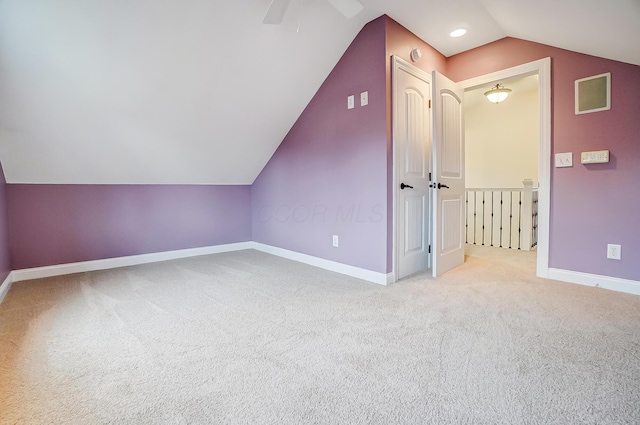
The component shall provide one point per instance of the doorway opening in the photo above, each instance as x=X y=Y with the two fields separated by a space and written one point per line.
x=428 y=139
x=540 y=70
x=501 y=164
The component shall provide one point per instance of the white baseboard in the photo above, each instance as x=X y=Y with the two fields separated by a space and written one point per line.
x=357 y=272
x=6 y=285
x=111 y=263
x=606 y=282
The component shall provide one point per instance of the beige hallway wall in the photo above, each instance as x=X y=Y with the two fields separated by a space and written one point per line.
x=502 y=139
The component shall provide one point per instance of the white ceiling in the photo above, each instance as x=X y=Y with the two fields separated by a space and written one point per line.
x=201 y=92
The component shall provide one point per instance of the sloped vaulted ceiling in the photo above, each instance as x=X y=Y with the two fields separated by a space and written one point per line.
x=201 y=92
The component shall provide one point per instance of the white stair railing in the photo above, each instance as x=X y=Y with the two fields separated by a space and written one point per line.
x=503 y=217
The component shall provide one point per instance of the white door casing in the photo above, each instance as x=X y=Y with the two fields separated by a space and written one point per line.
x=412 y=162
x=448 y=173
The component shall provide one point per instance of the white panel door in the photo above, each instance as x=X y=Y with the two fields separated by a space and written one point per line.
x=448 y=172
x=412 y=150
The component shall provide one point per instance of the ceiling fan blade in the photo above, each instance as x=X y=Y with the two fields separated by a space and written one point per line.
x=276 y=11
x=349 y=8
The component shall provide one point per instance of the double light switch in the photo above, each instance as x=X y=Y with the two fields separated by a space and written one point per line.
x=364 y=100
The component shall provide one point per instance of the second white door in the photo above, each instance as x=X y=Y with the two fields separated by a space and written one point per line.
x=448 y=175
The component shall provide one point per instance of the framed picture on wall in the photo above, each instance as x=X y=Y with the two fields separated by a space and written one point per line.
x=593 y=94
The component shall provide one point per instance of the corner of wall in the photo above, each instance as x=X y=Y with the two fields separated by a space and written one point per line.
x=328 y=176
x=5 y=253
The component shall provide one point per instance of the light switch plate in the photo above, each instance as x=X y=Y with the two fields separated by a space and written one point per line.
x=351 y=102
x=564 y=159
x=364 y=98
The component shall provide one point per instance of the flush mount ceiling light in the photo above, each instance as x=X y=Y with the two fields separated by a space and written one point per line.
x=497 y=94
x=458 y=32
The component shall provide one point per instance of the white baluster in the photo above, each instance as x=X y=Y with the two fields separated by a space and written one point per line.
x=527 y=205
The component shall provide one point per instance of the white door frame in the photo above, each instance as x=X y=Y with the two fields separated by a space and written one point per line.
x=542 y=68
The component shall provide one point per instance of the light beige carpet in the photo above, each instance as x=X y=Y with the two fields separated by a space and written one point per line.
x=248 y=338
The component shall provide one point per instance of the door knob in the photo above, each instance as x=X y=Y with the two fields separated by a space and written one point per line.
x=440 y=186
x=402 y=186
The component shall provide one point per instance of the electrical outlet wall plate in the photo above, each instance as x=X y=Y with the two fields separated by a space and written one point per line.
x=614 y=251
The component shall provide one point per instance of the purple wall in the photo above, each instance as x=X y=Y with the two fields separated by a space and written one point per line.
x=5 y=258
x=329 y=174
x=57 y=224
x=591 y=205
x=332 y=174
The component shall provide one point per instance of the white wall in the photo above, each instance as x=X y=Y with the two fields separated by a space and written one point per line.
x=502 y=139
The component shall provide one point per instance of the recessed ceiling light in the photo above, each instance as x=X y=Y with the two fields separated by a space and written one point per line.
x=458 y=33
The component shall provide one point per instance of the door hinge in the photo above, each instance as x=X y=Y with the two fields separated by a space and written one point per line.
x=429 y=103
x=429 y=249
x=429 y=176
